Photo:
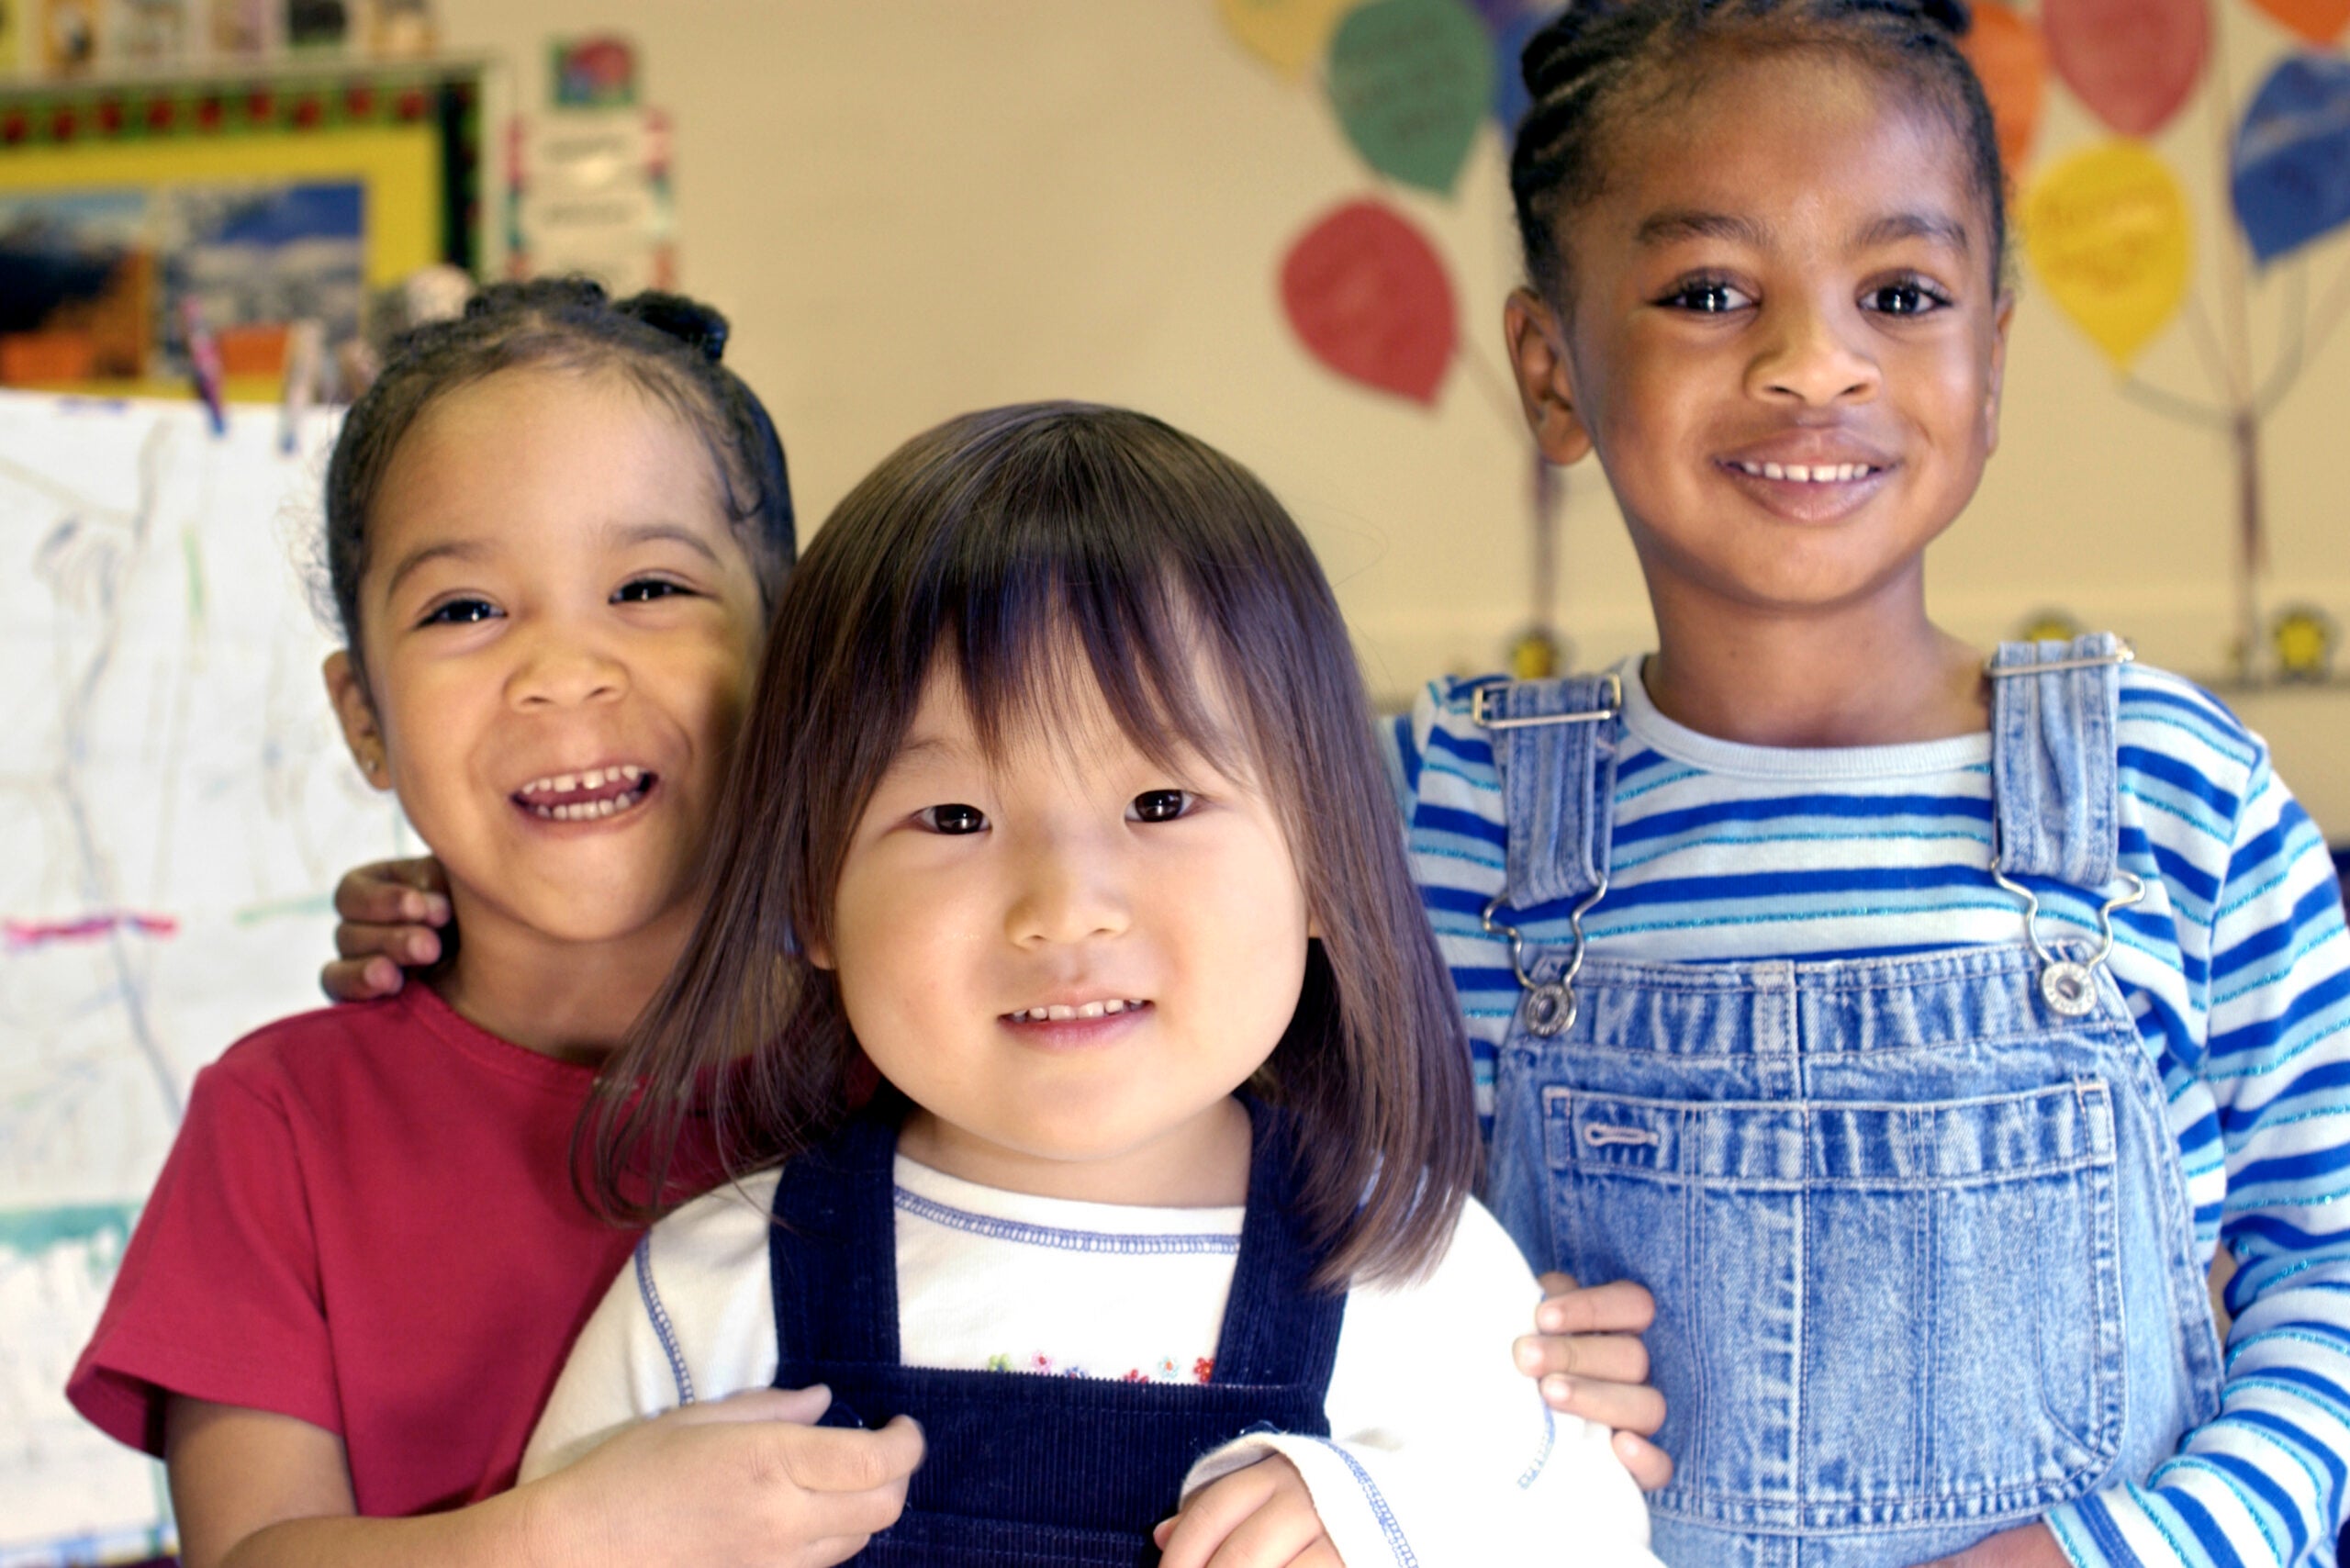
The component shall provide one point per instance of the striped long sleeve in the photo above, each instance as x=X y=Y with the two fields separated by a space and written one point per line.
x=2236 y=966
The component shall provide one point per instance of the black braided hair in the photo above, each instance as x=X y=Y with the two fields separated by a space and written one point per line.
x=666 y=344
x=1600 y=58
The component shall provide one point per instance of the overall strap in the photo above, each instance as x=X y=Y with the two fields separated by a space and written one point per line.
x=1279 y=1331
x=2055 y=795
x=833 y=1255
x=1554 y=748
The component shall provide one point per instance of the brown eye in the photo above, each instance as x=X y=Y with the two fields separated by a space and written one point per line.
x=1160 y=805
x=953 y=818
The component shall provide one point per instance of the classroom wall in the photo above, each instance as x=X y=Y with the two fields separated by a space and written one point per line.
x=914 y=207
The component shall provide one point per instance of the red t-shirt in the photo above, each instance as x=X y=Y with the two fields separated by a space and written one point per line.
x=367 y=1222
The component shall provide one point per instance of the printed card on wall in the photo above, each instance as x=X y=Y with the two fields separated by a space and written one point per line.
x=588 y=193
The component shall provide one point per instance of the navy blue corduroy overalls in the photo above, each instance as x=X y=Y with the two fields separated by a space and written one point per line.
x=1020 y=1468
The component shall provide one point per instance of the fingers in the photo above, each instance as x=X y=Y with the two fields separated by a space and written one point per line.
x=360 y=979
x=1620 y=1406
x=1589 y=1357
x=409 y=945
x=1651 y=1467
x=797 y=1406
x=394 y=892
x=1192 y=1537
x=846 y=1461
x=1557 y=1283
x=1621 y=1308
x=1272 y=1537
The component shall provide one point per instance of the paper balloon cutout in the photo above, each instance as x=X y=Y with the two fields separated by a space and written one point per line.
x=2012 y=58
x=1411 y=81
x=2292 y=155
x=1289 y=34
x=2107 y=232
x=2133 y=63
x=2319 y=21
x=1369 y=298
x=1510 y=99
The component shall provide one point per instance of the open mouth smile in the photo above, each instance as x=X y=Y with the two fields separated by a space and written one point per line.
x=1062 y=1013
x=589 y=796
x=1808 y=473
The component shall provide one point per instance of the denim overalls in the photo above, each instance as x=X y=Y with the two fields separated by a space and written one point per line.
x=1021 y=1468
x=1916 y=1228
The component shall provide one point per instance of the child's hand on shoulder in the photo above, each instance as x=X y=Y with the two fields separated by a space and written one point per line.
x=1258 y=1517
x=2033 y=1546
x=1586 y=1352
x=743 y=1480
x=387 y=913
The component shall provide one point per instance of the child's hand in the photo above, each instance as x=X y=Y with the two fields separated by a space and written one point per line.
x=1587 y=1351
x=742 y=1481
x=1258 y=1517
x=2033 y=1546
x=388 y=910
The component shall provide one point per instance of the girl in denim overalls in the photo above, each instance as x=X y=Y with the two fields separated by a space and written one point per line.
x=1913 y=1026
x=1057 y=809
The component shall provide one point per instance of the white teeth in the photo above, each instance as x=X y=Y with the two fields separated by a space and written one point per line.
x=1114 y=1007
x=1090 y=1010
x=592 y=779
x=1808 y=472
x=631 y=772
x=1059 y=1011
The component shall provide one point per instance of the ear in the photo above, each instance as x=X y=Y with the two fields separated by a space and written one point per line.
x=819 y=955
x=2000 y=322
x=356 y=713
x=1536 y=338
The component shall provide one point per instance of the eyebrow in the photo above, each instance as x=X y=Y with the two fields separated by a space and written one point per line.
x=1931 y=226
x=1677 y=224
x=611 y=537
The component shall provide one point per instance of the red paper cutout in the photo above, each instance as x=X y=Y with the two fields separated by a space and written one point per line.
x=1369 y=296
x=2133 y=63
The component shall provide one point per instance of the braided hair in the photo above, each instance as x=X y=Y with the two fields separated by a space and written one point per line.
x=1600 y=58
x=667 y=344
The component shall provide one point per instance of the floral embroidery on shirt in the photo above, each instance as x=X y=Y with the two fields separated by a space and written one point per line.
x=1166 y=1369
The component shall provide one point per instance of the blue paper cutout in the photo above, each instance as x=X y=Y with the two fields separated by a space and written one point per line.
x=2292 y=155
x=1510 y=35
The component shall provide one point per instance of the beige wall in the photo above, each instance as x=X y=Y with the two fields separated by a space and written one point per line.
x=914 y=207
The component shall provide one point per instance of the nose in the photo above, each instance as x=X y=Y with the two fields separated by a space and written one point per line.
x=1812 y=355
x=564 y=666
x=1070 y=889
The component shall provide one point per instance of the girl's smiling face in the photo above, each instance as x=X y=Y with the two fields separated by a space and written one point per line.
x=1068 y=956
x=1785 y=337
x=558 y=625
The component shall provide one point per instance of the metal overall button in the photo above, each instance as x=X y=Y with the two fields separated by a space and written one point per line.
x=1549 y=1007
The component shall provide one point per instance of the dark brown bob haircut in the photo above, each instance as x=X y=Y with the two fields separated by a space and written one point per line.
x=1028 y=547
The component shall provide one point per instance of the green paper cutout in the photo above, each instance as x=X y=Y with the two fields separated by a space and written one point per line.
x=1410 y=80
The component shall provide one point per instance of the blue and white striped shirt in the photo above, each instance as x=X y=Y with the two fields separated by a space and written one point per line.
x=2236 y=964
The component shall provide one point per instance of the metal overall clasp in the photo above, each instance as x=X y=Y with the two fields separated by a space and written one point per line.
x=1549 y=1006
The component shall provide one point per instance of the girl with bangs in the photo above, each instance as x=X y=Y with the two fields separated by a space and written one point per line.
x=1057 y=837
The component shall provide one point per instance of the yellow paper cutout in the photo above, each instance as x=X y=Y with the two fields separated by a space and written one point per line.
x=2108 y=234
x=1289 y=34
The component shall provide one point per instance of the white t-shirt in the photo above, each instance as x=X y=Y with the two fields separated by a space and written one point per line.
x=1441 y=1451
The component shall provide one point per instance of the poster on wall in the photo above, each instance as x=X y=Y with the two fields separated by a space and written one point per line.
x=175 y=803
x=128 y=210
x=588 y=192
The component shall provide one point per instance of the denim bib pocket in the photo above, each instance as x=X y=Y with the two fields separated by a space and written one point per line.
x=1817 y=1394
